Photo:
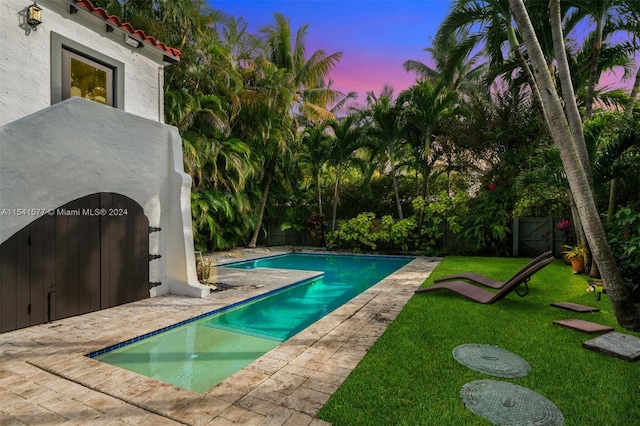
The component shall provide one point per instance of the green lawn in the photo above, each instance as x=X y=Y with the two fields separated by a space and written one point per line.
x=409 y=376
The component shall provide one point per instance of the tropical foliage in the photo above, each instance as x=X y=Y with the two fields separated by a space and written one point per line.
x=266 y=138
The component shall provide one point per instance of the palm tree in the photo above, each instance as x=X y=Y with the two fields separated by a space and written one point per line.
x=297 y=83
x=219 y=165
x=610 y=141
x=269 y=126
x=568 y=83
x=384 y=117
x=630 y=22
x=425 y=107
x=317 y=142
x=454 y=63
x=307 y=74
x=492 y=22
x=612 y=56
x=626 y=313
x=616 y=137
x=600 y=11
x=347 y=139
x=317 y=139
x=574 y=119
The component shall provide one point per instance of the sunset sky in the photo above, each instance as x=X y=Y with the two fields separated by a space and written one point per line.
x=375 y=36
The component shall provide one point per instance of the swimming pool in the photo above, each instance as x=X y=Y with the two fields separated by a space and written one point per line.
x=201 y=352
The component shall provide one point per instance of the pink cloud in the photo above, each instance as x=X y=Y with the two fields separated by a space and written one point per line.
x=362 y=73
x=613 y=79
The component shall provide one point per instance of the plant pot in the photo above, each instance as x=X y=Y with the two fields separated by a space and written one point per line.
x=577 y=265
x=566 y=260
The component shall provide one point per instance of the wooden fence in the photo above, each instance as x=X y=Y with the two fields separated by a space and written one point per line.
x=530 y=237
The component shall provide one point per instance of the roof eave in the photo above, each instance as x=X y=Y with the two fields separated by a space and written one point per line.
x=167 y=55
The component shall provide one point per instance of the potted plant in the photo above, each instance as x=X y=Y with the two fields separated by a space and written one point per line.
x=576 y=255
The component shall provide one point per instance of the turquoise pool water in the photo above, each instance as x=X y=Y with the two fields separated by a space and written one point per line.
x=205 y=350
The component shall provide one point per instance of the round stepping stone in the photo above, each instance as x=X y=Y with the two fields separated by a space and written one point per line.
x=504 y=403
x=491 y=360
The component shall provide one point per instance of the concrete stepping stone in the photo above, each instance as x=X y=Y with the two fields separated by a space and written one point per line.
x=584 y=326
x=504 y=403
x=619 y=345
x=491 y=360
x=574 y=307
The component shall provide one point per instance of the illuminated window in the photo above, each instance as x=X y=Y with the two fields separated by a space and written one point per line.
x=77 y=70
x=86 y=78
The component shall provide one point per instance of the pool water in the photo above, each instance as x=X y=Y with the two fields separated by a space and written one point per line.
x=202 y=353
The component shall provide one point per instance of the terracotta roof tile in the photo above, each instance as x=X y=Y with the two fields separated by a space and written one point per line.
x=127 y=27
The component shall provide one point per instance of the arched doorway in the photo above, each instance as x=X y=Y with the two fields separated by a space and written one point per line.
x=90 y=254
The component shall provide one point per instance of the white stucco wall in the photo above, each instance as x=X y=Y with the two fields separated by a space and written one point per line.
x=77 y=148
x=26 y=58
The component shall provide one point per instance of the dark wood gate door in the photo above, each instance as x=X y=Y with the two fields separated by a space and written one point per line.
x=90 y=254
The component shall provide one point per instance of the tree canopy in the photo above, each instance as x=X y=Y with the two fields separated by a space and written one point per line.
x=266 y=138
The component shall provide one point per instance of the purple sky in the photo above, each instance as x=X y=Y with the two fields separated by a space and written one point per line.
x=375 y=36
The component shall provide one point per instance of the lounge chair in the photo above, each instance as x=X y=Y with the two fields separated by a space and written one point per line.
x=481 y=295
x=490 y=282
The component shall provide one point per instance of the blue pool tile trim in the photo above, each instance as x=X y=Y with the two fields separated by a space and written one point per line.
x=196 y=318
x=233 y=305
x=222 y=265
x=235 y=262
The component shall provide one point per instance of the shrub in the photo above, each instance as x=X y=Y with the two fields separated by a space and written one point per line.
x=365 y=232
x=317 y=227
x=623 y=234
x=487 y=230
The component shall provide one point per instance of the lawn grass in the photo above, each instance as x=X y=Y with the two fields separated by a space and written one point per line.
x=409 y=376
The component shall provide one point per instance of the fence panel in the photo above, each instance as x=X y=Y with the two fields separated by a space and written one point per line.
x=530 y=237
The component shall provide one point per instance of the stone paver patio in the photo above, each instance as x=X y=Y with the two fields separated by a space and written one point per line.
x=45 y=377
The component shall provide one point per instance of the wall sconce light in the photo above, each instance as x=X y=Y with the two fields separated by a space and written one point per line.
x=132 y=42
x=34 y=16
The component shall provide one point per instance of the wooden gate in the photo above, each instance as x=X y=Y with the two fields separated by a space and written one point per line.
x=90 y=254
x=535 y=235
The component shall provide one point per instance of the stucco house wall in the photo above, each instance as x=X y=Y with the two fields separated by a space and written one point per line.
x=44 y=165
x=53 y=152
x=26 y=59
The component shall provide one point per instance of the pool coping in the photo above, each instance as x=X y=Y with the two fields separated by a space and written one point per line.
x=311 y=276
x=290 y=383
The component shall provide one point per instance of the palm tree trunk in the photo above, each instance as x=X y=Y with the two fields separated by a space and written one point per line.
x=628 y=111
x=593 y=70
x=619 y=295
x=513 y=42
x=366 y=179
x=577 y=223
x=263 y=204
x=319 y=192
x=573 y=115
x=423 y=194
x=613 y=193
x=396 y=192
x=634 y=94
x=575 y=122
x=336 y=195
